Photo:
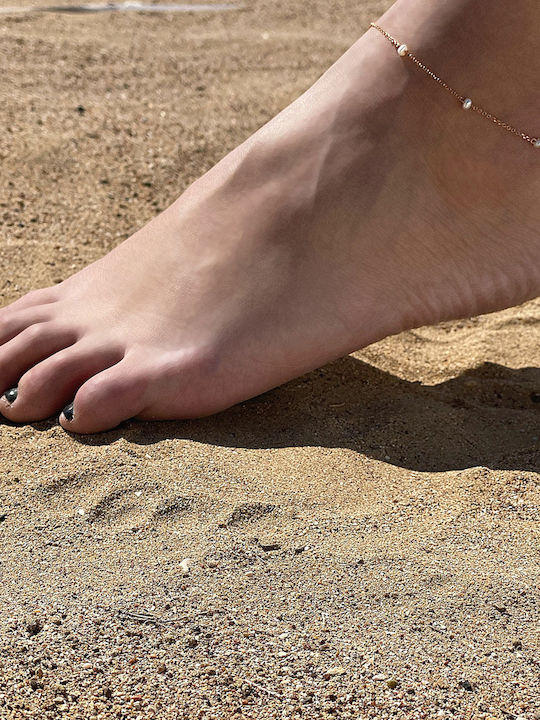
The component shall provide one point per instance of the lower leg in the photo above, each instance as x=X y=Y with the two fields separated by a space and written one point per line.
x=370 y=205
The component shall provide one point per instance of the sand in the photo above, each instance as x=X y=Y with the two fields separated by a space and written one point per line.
x=359 y=543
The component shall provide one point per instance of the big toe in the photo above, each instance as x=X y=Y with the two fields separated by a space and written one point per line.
x=108 y=398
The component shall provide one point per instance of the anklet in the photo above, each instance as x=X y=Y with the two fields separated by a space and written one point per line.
x=466 y=102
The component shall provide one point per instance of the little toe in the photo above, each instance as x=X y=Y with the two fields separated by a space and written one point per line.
x=29 y=347
x=41 y=296
x=49 y=385
x=13 y=322
x=107 y=399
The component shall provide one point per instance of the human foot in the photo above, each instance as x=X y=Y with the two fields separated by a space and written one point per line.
x=336 y=224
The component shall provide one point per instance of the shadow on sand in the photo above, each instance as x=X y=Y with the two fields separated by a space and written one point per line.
x=487 y=416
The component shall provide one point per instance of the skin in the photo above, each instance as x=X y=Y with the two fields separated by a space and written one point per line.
x=370 y=205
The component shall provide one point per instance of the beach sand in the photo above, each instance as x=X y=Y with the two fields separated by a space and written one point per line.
x=362 y=542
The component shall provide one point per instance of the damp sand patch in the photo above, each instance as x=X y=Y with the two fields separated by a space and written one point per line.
x=123 y=7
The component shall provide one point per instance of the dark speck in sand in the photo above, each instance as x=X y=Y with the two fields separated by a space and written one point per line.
x=34 y=627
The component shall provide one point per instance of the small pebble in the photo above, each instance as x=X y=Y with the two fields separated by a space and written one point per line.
x=268 y=545
x=185 y=565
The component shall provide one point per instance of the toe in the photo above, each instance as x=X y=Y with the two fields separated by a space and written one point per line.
x=49 y=385
x=42 y=296
x=30 y=347
x=107 y=399
x=13 y=322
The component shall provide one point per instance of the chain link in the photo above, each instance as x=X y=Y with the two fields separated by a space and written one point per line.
x=534 y=141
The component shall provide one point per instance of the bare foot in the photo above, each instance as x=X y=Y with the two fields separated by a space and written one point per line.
x=368 y=206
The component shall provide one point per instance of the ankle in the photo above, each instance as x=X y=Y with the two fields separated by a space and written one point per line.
x=486 y=49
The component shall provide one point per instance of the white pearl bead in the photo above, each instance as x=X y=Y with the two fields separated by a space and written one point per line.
x=402 y=50
x=537 y=143
x=467 y=104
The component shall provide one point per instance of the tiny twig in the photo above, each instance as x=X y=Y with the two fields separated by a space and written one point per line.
x=144 y=617
x=323 y=615
x=266 y=690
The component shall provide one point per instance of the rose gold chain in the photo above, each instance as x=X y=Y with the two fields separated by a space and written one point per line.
x=466 y=102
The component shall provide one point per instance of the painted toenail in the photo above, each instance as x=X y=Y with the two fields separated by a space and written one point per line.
x=11 y=395
x=68 y=411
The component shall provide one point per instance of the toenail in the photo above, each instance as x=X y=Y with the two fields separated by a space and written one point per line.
x=11 y=395
x=68 y=411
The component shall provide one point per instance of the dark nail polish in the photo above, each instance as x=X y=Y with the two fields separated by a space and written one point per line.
x=68 y=411
x=11 y=395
